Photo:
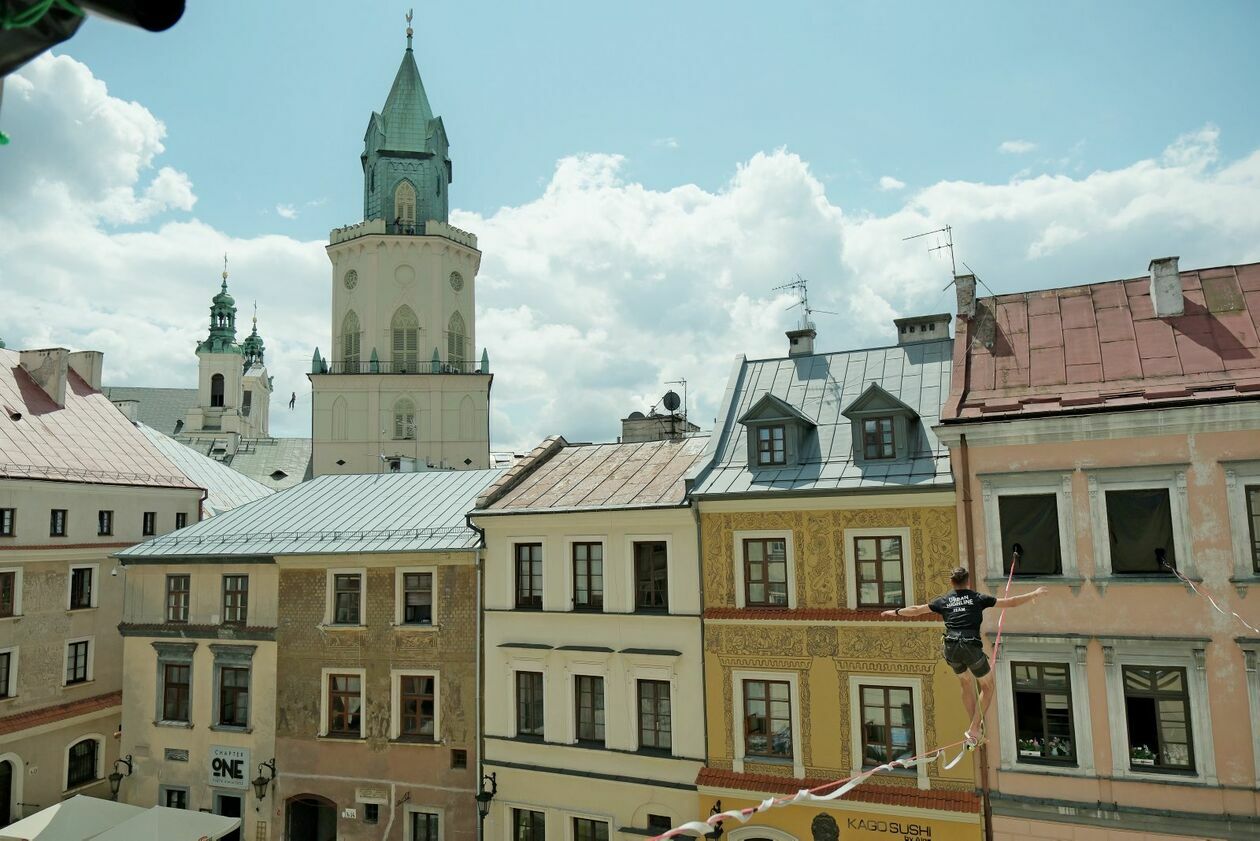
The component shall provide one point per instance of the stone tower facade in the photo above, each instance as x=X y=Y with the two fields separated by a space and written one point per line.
x=402 y=387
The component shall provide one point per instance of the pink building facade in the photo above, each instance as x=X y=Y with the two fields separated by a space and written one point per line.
x=1101 y=436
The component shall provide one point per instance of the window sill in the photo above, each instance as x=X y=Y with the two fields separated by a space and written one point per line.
x=1242 y=582
x=336 y=627
x=405 y=626
x=757 y=759
x=14 y=616
x=419 y=742
x=78 y=683
x=334 y=737
x=179 y=725
x=230 y=728
x=71 y=610
x=81 y=787
x=1102 y=582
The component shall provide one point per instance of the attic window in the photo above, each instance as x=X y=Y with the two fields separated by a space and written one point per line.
x=877 y=438
x=771 y=447
x=278 y=475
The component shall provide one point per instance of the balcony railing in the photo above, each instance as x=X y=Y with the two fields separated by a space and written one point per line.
x=432 y=366
x=432 y=228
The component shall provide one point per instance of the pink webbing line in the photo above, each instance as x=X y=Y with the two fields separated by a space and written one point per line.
x=1211 y=600
x=1006 y=594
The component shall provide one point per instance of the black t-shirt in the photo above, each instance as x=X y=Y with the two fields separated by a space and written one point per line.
x=963 y=609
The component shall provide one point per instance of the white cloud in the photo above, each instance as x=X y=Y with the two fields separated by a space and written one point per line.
x=286 y=211
x=887 y=182
x=1016 y=147
x=593 y=294
x=666 y=142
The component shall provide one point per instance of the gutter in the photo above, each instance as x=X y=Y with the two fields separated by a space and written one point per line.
x=479 y=736
x=704 y=676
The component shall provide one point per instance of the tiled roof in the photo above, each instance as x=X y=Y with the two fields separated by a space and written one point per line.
x=808 y=614
x=1101 y=346
x=160 y=408
x=58 y=712
x=578 y=477
x=86 y=440
x=948 y=801
x=375 y=512
x=821 y=387
x=225 y=488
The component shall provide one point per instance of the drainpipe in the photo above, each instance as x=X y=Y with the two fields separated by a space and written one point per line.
x=480 y=739
x=964 y=467
x=704 y=676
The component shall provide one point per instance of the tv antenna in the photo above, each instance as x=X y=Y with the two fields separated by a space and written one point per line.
x=801 y=285
x=948 y=231
x=673 y=408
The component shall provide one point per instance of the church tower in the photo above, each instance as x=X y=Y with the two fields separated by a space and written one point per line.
x=401 y=387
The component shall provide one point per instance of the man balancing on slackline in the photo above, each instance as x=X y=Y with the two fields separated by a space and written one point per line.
x=963 y=611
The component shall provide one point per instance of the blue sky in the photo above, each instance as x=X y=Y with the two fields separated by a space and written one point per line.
x=640 y=176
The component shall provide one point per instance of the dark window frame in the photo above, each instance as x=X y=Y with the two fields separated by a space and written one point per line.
x=1041 y=687
x=235 y=599
x=771 y=445
x=81 y=587
x=590 y=706
x=82 y=766
x=530 y=704
x=528 y=825
x=347 y=600
x=422 y=614
x=8 y=522
x=181 y=519
x=750 y=727
x=651 y=576
x=6 y=675
x=178 y=599
x=176 y=691
x=886 y=742
x=424 y=826
x=880 y=443
x=411 y=723
x=233 y=697
x=882 y=601
x=8 y=594
x=104 y=523
x=1007 y=541
x=764 y=580
x=58 y=526
x=180 y=801
x=148 y=523
x=655 y=728
x=589 y=829
x=586 y=571
x=1159 y=696
x=1149 y=566
x=346 y=715
x=1251 y=495
x=78 y=662
x=528 y=597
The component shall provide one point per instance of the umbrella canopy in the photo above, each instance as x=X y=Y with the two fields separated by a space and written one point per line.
x=75 y=819
x=162 y=824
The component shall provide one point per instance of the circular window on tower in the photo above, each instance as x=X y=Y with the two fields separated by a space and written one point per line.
x=351 y=279
x=457 y=281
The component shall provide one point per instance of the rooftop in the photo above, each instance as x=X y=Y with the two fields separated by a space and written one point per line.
x=159 y=408
x=1101 y=346
x=225 y=488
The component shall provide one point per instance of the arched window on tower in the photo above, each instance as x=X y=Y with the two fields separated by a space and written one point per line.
x=405 y=204
x=404 y=419
x=216 y=390
x=350 y=342
x=340 y=423
x=404 y=334
x=456 y=338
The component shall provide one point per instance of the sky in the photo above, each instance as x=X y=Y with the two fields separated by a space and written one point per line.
x=640 y=176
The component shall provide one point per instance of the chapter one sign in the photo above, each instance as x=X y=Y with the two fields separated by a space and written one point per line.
x=229 y=767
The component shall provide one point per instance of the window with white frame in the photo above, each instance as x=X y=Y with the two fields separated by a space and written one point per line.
x=10 y=592
x=1139 y=521
x=173 y=797
x=8 y=671
x=878 y=562
x=1251 y=670
x=1028 y=522
x=530 y=825
x=1242 y=488
x=767 y=719
x=423 y=825
x=764 y=569
x=346 y=593
x=414 y=602
x=886 y=715
x=342 y=703
x=416 y=705
x=78 y=660
x=589 y=716
x=84 y=759
x=1043 y=705
x=529 y=704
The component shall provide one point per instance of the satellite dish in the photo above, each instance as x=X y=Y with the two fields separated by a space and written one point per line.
x=672 y=401
x=636 y=416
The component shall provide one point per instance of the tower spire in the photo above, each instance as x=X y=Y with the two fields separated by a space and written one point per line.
x=409 y=31
x=225 y=272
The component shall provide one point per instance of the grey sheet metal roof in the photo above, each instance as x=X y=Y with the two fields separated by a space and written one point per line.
x=225 y=488
x=379 y=512
x=158 y=408
x=821 y=386
x=263 y=459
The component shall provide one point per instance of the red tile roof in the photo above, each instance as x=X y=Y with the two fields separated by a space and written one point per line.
x=86 y=440
x=60 y=712
x=948 y=801
x=1086 y=348
x=809 y=614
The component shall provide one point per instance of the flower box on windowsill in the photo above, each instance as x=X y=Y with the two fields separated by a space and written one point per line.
x=1030 y=752
x=1137 y=761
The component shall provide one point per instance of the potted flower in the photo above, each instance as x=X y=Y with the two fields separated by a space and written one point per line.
x=1141 y=755
x=1029 y=747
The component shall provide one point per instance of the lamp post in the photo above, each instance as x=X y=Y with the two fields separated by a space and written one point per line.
x=116 y=777
x=484 y=796
x=260 y=782
x=717 y=831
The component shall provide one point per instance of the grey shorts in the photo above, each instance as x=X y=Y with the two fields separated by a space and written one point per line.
x=966 y=653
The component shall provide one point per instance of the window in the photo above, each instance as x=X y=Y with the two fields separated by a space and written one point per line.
x=1043 y=712
x=528 y=825
x=104 y=523
x=585 y=829
x=877 y=438
x=1253 y=524
x=455 y=339
x=529 y=576
x=588 y=576
x=8 y=522
x=174 y=798
x=880 y=573
x=1030 y=528
x=459 y=758
x=150 y=523
x=77 y=661
x=177 y=592
x=659 y=824
x=417 y=600
x=80 y=587
x=181 y=519
x=424 y=827
x=765 y=572
x=405 y=203
x=1157 y=714
x=654 y=715
x=235 y=599
x=404 y=420
x=651 y=576
x=216 y=390
x=887 y=724
x=8 y=594
x=590 y=708
x=767 y=718
x=771 y=446
x=347 y=598
x=247 y=401
x=350 y=342
x=345 y=705
x=233 y=697
x=416 y=709
x=371 y=812
x=6 y=673
x=57 y=523
x=1140 y=526
x=404 y=331
x=529 y=704
x=176 y=683
x=81 y=763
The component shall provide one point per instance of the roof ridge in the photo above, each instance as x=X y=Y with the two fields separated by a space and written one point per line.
x=517 y=473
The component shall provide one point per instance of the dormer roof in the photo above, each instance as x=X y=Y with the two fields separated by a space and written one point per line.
x=770 y=408
x=876 y=400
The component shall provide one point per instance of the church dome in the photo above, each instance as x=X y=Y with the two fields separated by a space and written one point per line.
x=253 y=346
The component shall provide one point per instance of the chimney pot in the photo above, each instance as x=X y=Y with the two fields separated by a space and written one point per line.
x=801 y=341
x=1166 y=292
x=965 y=287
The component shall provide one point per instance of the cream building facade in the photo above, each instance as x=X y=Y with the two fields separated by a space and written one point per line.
x=594 y=721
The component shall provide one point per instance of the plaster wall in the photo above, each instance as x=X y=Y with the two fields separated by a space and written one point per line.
x=845 y=819
x=38 y=757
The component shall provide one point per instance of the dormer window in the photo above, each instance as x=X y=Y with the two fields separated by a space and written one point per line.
x=878 y=438
x=883 y=426
x=771 y=445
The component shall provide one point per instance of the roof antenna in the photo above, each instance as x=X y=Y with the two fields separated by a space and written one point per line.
x=948 y=231
x=801 y=285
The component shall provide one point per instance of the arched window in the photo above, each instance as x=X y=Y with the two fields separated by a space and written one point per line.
x=350 y=341
x=405 y=204
x=83 y=762
x=340 y=423
x=404 y=419
x=466 y=415
x=216 y=390
x=404 y=332
x=455 y=340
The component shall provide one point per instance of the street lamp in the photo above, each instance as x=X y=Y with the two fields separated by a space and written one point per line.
x=116 y=777
x=260 y=782
x=716 y=833
x=484 y=796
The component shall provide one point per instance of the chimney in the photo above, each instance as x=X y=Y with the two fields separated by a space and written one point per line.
x=129 y=408
x=965 y=286
x=922 y=328
x=801 y=340
x=48 y=368
x=87 y=364
x=1166 y=294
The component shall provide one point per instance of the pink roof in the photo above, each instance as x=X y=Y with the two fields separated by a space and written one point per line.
x=1086 y=348
x=88 y=440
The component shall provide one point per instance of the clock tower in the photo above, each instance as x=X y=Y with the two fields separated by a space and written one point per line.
x=402 y=387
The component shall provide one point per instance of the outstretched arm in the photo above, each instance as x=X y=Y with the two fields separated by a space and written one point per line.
x=1016 y=601
x=913 y=610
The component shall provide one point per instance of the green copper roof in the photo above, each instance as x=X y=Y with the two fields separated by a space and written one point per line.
x=407 y=113
x=222 y=338
x=253 y=346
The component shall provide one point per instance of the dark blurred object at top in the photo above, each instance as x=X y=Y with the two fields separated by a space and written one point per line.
x=32 y=26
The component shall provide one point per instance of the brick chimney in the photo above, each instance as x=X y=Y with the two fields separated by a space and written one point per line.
x=1166 y=294
x=48 y=368
x=965 y=287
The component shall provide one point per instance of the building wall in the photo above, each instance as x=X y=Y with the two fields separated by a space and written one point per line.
x=619 y=783
x=225 y=418
x=826 y=649
x=396 y=776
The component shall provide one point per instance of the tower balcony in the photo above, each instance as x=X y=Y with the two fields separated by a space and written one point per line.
x=430 y=366
x=380 y=227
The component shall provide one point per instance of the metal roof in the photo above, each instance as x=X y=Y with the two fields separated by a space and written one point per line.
x=821 y=386
x=377 y=512
x=160 y=408
x=225 y=488
x=265 y=459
